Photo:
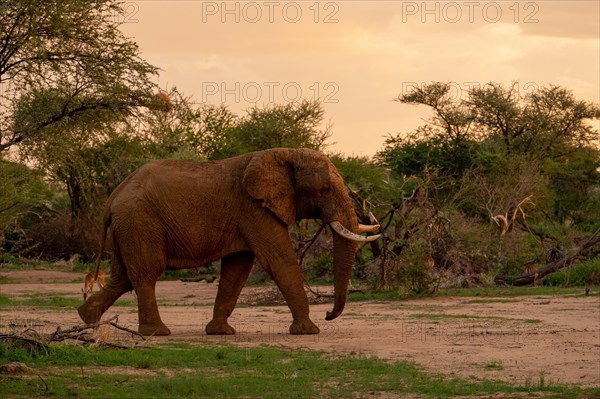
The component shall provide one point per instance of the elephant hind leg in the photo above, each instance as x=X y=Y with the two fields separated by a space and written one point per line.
x=92 y=310
x=235 y=270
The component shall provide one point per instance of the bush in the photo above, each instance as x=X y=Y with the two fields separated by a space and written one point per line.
x=58 y=237
x=584 y=273
x=320 y=268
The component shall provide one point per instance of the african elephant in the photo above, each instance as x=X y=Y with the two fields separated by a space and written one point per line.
x=173 y=214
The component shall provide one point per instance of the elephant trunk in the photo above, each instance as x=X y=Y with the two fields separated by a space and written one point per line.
x=344 y=252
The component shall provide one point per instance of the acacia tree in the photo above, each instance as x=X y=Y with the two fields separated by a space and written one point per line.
x=178 y=127
x=289 y=125
x=75 y=48
x=504 y=171
x=547 y=123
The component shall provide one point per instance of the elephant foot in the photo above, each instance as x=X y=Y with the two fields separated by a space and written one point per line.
x=304 y=327
x=88 y=314
x=154 y=329
x=219 y=328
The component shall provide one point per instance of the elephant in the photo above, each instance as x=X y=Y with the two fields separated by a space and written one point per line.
x=176 y=214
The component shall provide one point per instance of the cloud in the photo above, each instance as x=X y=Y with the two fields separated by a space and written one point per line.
x=369 y=54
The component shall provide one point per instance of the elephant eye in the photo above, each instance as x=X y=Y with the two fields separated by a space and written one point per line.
x=325 y=189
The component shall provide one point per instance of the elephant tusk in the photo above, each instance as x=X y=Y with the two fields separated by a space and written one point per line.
x=344 y=232
x=364 y=228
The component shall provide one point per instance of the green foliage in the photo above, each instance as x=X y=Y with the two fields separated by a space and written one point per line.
x=21 y=188
x=66 y=60
x=84 y=161
x=580 y=274
x=575 y=182
x=180 y=129
x=363 y=176
x=294 y=125
x=543 y=142
x=320 y=268
x=426 y=149
x=516 y=179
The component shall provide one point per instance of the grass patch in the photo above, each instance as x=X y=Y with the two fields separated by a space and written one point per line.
x=494 y=366
x=506 y=292
x=45 y=301
x=509 y=291
x=492 y=300
x=52 y=301
x=392 y=295
x=185 y=370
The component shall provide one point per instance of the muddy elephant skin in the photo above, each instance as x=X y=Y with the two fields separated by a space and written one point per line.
x=173 y=214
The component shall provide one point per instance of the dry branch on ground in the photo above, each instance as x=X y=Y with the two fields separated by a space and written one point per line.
x=84 y=333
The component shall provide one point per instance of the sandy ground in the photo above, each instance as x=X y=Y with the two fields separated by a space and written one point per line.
x=519 y=340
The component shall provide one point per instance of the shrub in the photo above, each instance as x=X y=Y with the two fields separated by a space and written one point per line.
x=320 y=268
x=61 y=237
x=580 y=274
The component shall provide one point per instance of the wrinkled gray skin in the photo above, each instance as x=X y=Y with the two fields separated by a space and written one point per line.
x=174 y=214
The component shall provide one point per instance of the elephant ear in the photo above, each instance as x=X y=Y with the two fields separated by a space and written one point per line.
x=268 y=177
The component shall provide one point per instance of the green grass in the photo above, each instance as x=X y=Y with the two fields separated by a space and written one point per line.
x=41 y=300
x=510 y=291
x=187 y=370
x=392 y=295
x=493 y=366
x=506 y=292
x=56 y=300
x=492 y=300
x=65 y=300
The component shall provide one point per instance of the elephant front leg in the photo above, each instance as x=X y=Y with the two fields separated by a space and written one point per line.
x=273 y=248
x=235 y=270
x=288 y=278
x=149 y=318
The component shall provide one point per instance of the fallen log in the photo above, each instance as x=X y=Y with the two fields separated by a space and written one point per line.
x=537 y=275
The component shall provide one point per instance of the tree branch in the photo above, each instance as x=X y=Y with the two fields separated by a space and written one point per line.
x=531 y=277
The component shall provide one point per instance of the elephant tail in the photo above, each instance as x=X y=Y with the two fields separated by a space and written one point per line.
x=106 y=225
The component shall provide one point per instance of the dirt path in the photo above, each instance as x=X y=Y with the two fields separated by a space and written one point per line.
x=520 y=340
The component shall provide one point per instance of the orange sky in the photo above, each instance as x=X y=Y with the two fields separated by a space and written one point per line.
x=357 y=56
